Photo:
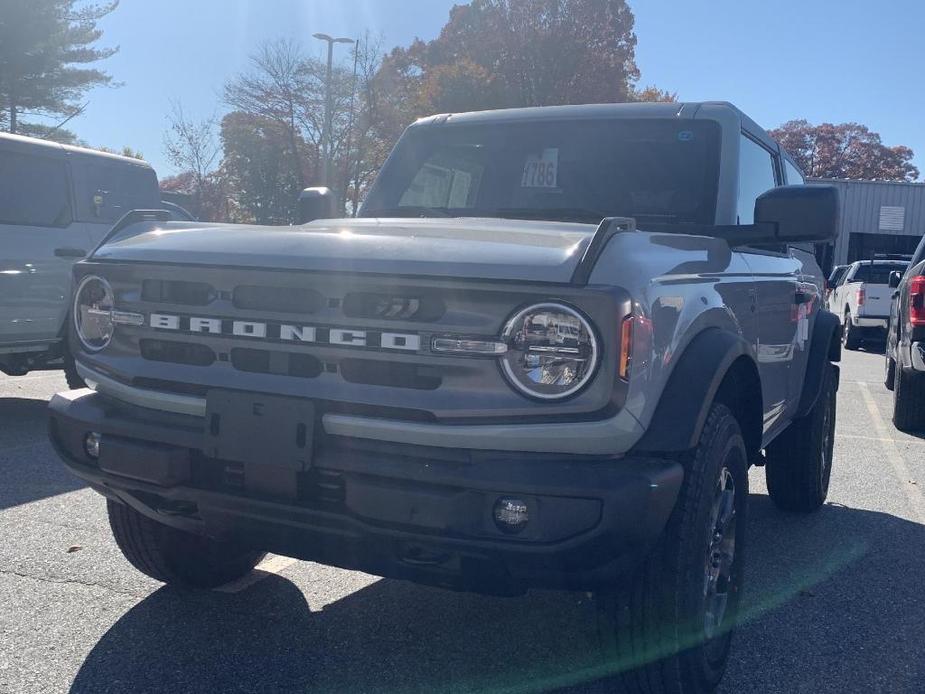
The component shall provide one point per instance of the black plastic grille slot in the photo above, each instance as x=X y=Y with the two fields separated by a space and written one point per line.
x=264 y=361
x=177 y=352
x=384 y=373
x=278 y=299
x=393 y=306
x=178 y=292
x=325 y=486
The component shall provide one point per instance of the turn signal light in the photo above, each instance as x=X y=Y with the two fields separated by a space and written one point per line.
x=626 y=347
x=635 y=344
x=917 y=300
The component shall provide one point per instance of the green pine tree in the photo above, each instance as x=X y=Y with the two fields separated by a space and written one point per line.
x=47 y=48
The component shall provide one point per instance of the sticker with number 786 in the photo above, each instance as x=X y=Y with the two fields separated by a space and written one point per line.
x=541 y=171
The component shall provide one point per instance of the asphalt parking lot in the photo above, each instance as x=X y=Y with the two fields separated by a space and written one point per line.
x=835 y=600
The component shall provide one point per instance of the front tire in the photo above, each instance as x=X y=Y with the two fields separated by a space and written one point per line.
x=908 y=400
x=74 y=381
x=669 y=630
x=176 y=557
x=799 y=461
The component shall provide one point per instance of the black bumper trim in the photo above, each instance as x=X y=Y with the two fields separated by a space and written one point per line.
x=401 y=516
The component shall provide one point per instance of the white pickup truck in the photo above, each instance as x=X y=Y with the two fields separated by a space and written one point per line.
x=862 y=299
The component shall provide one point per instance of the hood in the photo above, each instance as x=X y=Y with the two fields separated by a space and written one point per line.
x=494 y=249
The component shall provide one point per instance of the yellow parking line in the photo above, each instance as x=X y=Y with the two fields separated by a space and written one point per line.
x=918 y=442
x=912 y=491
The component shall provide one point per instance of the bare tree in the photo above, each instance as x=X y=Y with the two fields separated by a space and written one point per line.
x=369 y=150
x=193 y=147
x=277 y=87
x=287 y=87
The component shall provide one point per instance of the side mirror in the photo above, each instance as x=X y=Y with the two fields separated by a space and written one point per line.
x=895 y=278
x=803 y=213
x=316 y=203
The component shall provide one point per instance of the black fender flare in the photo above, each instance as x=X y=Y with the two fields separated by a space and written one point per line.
x=825 y=346
x=685 y=401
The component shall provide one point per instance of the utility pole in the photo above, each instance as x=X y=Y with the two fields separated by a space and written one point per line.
x=328 y=107
x=353 y=99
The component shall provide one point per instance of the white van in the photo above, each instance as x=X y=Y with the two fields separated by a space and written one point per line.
x=56 y=204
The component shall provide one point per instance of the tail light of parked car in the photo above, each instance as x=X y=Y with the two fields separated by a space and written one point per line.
x=862 y=296
x=917 y=300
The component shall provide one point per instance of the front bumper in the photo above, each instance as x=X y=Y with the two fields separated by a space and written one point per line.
x=410 y=512
x=598 y=437
x=871 y=322
x=917 y=356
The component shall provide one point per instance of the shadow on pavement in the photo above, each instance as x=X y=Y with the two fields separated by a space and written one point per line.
x=29 y=468
x=836 y=604
x=873 y=346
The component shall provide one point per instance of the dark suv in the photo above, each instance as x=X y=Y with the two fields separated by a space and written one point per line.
x=905 y=344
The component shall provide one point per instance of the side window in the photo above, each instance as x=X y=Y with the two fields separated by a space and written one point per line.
x=33 y=191
x=756 y=176
x=794 y=177
x=107 y=190
x=919 y=255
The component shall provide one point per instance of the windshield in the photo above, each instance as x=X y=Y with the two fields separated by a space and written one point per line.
x=579 y=170
x=837 y=274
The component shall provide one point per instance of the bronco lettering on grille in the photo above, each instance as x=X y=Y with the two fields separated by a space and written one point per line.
x=287 y=332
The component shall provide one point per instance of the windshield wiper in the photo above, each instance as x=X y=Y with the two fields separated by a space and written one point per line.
x=409 y=211
x=553 y=214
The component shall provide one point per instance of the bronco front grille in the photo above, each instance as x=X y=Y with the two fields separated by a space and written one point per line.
x=356 y=343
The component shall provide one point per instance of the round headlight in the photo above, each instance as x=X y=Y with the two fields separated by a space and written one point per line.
x=552 y=351
x=93 y=304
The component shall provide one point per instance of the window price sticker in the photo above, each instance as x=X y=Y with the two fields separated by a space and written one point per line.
x=541 y=171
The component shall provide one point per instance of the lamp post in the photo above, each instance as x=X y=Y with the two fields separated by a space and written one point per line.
x=326 y=130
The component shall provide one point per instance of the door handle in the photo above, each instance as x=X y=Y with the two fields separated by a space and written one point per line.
x=70 y=253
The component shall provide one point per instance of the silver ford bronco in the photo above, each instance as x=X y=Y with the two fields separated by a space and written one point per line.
x=544 y=355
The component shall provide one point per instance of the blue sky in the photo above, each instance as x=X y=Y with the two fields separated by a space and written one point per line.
x=834 y=60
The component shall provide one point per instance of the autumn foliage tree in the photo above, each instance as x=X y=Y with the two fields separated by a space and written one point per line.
x=490 y=54
x=847 y=150
x=256 y=169
x=508 y=53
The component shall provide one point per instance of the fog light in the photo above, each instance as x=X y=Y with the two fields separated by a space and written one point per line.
x=92 y=444
x=511 y=514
